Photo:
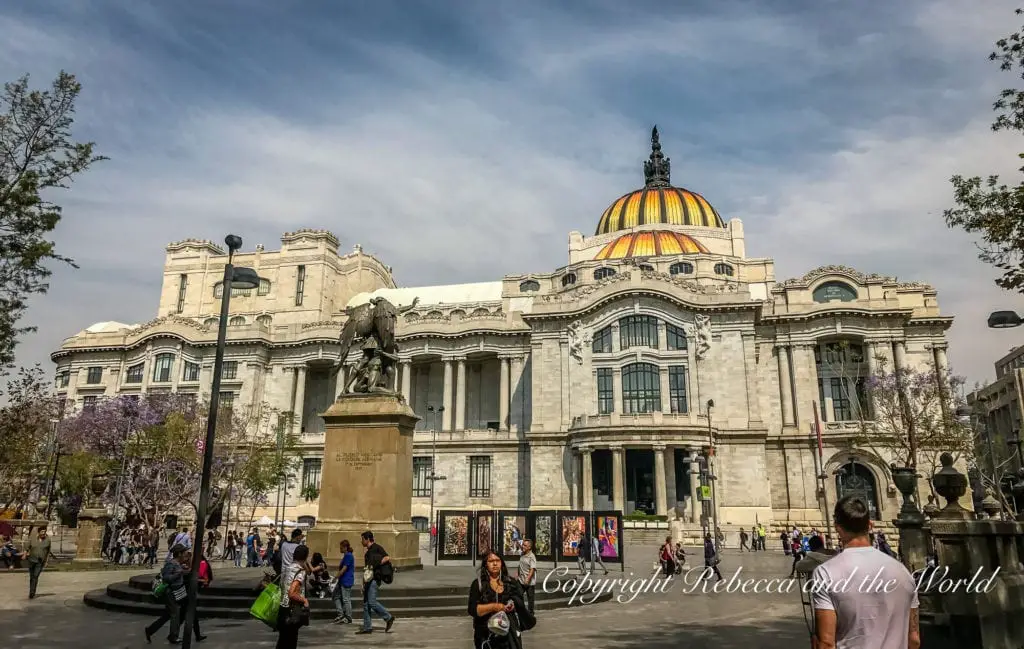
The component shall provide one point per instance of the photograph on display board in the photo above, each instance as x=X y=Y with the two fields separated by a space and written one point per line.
x=513 y=531
x=542 y=543
x=456 y=536
x=574 y=527
x=484 y=525
x=608 y=535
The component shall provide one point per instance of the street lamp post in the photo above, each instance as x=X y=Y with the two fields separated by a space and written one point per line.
x=433 y=464
x=230 y=464
x=711 y=474
x=53 y=476
x=243 y=278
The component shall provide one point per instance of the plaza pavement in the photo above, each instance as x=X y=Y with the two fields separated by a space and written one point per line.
x=58 y=619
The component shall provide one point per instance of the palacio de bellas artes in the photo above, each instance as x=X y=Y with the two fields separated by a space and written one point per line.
x=594 y=386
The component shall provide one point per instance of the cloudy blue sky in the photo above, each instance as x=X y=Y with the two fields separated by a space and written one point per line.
x=461 y=140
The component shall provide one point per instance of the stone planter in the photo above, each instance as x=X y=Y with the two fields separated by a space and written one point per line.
x=951 y=485
x=905 y=479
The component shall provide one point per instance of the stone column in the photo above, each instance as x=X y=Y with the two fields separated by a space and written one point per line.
x=92 y=524
x=503 y=395
x=617 y=389
x=785 y=385
x=692 y=376
x=446 y=416
x=460 y=393
x=666 y=393
x=900 y=355
x=587 y=481
x=147 y=369
x=618 y=479
x=407 y=380
x=176 y=370
x=615 y=337
x=660 y=487
x=871 y=351
x=517 y=417
x=669 y=459
x=694 y=479
x=300 y=398
x=750 y=369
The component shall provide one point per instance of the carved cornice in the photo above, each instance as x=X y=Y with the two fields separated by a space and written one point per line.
x=308 y=233
x=849 y=273
x=321 y=323
x=169 y=319
x=198 y=244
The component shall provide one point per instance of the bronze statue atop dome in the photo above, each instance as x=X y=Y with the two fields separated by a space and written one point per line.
x=657 y=168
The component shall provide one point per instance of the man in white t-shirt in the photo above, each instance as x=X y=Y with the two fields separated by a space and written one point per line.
x=863 y=598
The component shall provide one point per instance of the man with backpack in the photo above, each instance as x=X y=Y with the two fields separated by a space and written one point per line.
x=377 y=568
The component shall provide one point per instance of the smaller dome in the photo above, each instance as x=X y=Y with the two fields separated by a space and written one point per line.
x=653 y=243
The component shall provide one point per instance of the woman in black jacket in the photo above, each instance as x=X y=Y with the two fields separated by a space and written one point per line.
x=495 y=592
x=173 y=574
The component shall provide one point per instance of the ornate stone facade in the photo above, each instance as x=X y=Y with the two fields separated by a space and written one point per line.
x=583 y=387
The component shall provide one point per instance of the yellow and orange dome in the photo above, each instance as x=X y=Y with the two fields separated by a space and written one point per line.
x=652 y=243
x=664 y=205
x=658 y=202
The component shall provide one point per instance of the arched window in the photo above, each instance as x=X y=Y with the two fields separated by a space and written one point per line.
x=855 y=479
x=218 y=291
x=602 y=343
x=264 y=288
x=210 y=322
x=681 y=268
x=723 y=269
x=638 y=331
x=162 y=366
x=529 y=286
x=236 y=321
x=568 y=279
x=641 y=388
x=675 y=337
x=264 y=320
x=603 y=272
x=646 y=267
x=834 y=291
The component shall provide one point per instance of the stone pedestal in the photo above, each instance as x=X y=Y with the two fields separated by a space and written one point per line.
x=366 y=484
x=91 y=525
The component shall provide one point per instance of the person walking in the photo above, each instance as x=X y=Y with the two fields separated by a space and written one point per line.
x=493 y=595
x=204 y=578
x=342 y=594
x=583 y=552
x=294 y=611
x=595 y=553
x=38 y=553
x=744 y=538
x=711 y=559
x=798 y=553
x=785 y=543
x=172 y=574
x=863 y=618
x=373 y=563
x=527 y=574
x=666 y=555
x=753 y=539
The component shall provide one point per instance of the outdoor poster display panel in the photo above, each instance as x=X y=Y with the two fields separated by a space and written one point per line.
x=455 y=532
x=543 y=531
x=512 y=531
x=572 y=527
x=608 y=531
x=485 y=523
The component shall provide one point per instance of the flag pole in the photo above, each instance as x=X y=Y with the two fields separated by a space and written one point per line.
x=822 y=476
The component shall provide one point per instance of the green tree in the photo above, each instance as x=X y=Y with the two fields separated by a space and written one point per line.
x=37 y=156
x=271 y=452
x=27 y=428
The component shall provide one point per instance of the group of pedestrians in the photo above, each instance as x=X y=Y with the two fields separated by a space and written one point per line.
x=755 y=540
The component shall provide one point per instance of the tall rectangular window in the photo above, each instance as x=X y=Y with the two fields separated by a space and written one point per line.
x=94 y=376
x=605 y=391
x=63 y=379
x=480 y=476
x=227 y=400
x=229 y=370
x=421 y=477
x=841 y=408
x=300 y=284
x=162 y=366
x=602 y=343
x=677 y=388
x=89 y=403
x=191 y=372
x=311 y=468
x=182 y=285
x=641 y=388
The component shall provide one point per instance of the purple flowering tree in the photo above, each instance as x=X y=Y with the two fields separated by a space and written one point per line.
x=153 y=448
x=919 y=405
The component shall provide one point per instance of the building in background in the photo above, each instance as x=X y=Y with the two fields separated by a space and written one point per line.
x=582 y=387
x=997 y=411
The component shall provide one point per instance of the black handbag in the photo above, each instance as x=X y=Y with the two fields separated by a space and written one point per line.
x=298 y=615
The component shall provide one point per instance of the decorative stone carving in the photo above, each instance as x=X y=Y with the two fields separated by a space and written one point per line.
x=321 y=323
x=577 y=338
x=169 y=319
x=851 y=273
x=580 y=292
x=675 y=280
x=702 y=332
x=374 y=323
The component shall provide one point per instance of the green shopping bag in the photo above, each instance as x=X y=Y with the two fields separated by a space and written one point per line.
x=266 y=606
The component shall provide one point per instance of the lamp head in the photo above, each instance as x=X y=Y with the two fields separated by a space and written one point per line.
x=244 y=278
x=430 y=408
x=1003 y=320
x=711 y=403
x=233 y=241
